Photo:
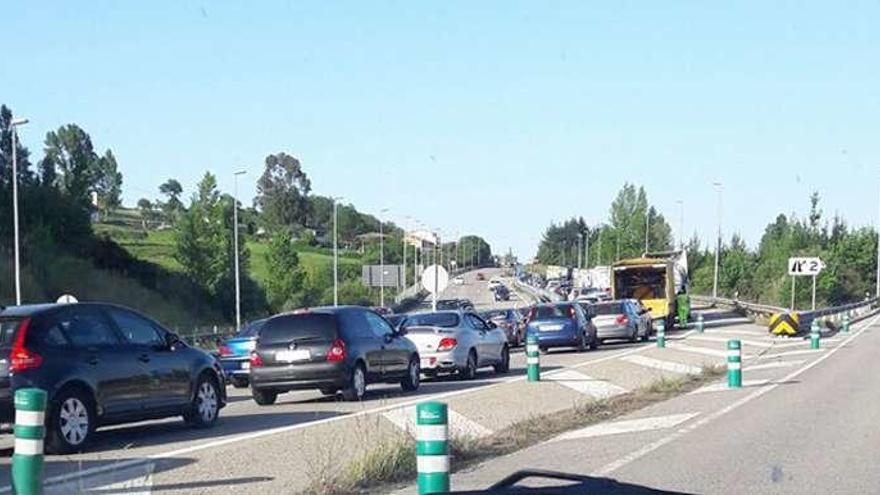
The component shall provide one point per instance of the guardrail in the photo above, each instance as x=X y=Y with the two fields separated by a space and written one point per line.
x=541 y=295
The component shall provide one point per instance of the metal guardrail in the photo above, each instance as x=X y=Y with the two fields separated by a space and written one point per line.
x=541 y=294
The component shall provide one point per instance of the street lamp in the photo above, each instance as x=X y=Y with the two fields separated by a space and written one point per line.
x=13 y=124
x=335 y=251
x=647 y=229
x=680 y=223
x=235 y=237
x=717 y=244
x=382 y=258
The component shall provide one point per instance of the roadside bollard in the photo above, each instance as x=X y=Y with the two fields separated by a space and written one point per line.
x=661 y=333
x=814 y=335
x=701 y=324
x=734 y=364
x=846 y=323
x=27 y=462
x=432 y=447
x=533 y=358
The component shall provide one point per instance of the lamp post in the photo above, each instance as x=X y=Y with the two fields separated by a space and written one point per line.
x=235 y=237
x=382 y=257
x=680 y=223
x=717 y=244
x=336 y=250
x=15 y=123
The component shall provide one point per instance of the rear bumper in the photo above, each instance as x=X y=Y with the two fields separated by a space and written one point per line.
x=439 y=362
x=236 y=367
x=615 y=332
x=301 y=376
x=557 y=339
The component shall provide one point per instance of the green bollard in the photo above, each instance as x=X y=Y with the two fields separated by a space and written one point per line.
x=734 y=364
x=814 y=334
x=701 y=324
x=661 y=333
x=30 y=429
x=846 y=323
x=533 y=358
x=432 y=447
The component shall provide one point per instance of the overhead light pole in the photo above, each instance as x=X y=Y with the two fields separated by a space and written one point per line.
x=877 y=288
x=680 y=223
x=382 y=257
x=13 y=124
x=718 y=187
x=647 y=229
x=235 y=237
x=336 y=250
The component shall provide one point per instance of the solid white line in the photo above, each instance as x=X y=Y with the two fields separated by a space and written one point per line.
x=792 y=353
x=587 y=385
x=753 y=343
x=663 y=365
x=647 y=449
x=778 y=364
x=626 y=426
x=405 y=419
x=722 y=386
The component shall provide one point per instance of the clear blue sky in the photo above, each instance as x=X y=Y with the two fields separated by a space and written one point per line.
x=482 y=117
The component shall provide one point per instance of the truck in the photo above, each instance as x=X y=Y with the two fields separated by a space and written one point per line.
x=659 y=280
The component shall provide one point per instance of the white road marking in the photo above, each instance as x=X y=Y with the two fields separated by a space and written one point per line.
x=722 y=386
x=627 y=426
x=700 y=350
x=778 y=364
x=792 y=353
x=754 y=343
x=579 y=382
x=663 y=365
x=651 y=447
x=459 y=426
x=732 y=331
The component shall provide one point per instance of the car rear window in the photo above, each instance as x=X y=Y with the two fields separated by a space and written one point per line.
x=447 y=304
x=285 y=328
x=542 y=312
x=446 y=320
x=608 y=309
x=251 y=329
x=7 y=330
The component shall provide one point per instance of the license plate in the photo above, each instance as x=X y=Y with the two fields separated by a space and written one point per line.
x=551 y=328
x=295 y=355
x=245 y=365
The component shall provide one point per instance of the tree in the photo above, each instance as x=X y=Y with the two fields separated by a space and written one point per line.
x=108 y=183
x=173 y=206
x=285 y=278
x=70 y=162
x=282 y=191
x=22 y=158
x=145 y=207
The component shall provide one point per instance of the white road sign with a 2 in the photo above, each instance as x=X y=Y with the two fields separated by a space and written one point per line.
x=805 y=266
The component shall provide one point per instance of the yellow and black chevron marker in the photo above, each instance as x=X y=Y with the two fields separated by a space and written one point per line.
x=784 y=323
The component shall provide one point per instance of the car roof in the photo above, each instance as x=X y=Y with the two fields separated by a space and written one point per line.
x=27 y=309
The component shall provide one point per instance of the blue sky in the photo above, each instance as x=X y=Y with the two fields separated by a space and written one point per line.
x=475 y=117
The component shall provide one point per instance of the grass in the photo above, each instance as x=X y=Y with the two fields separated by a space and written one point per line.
x=393 y=460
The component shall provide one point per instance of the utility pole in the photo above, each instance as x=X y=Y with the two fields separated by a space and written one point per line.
x=15 y=123
x=382 y=257
x=335 y=251
x=717 y=245
x=235 y=237
x=647 y=229
x=680 y=224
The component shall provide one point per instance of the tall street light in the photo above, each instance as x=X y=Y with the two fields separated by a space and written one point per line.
x=15 y=123
x=877 y=288
x=335 y=250
x=382 y=257
x=680 y=223
x=717 y=244
x=235 y=237
x=647 y=229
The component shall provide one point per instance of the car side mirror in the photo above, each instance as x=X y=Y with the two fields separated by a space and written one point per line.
x=492 y=324
x=401 y=331
x=172 y=341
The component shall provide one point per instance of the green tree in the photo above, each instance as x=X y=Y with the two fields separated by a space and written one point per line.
x=70 y=162
x=282 y=191
x=108 y=183
x=145 y=208
x=172 y=189
x=285 y=278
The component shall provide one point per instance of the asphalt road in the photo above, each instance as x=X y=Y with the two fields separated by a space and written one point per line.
x=805 y=422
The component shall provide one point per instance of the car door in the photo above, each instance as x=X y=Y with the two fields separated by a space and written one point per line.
x=395 y=354
x=487 y=353
x=167 y=371
x=104 y=359
x=367 y=343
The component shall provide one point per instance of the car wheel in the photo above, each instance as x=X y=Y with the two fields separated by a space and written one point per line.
x=635 y=335
x=239 y=382
x=504 y=365
x=357 y=385
x=583 y=344
x=542 y=350
x=594 y=343
x=264 y=396
x=71 y=422
x=469 y=372
x=205 y=406
x=328 y=391
x=413 y=376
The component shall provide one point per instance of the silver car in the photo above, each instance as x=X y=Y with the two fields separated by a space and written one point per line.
x=622 y=319
x=457 y=342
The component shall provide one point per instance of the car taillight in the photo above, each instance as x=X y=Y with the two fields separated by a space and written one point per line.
x=622 y=320
x=21 y=358
x=225 y=351
x=256 y=360
x=337 y=351
x=446 y=344
x=572 y=313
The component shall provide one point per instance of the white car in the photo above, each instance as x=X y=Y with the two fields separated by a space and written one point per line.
x=494 y=283
x=459 y=280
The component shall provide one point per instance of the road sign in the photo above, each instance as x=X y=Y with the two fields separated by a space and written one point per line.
x=805 y=266
x=373 y=275
x=66 y=299
x=429 y=275
x=784 y=323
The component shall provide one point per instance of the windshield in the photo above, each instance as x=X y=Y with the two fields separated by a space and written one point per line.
x=251 y=329
x=608 y=309
x=447 y=320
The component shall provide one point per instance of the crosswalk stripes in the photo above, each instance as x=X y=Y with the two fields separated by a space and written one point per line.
x=627 y=426
x=659 y=364
x=579 y=382
x=405 y=419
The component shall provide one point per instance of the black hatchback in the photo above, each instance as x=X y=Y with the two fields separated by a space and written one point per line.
x=331 y=349
x=102 y=364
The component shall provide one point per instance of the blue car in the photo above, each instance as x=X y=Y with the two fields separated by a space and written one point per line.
x=235 y=353
x=562 y=325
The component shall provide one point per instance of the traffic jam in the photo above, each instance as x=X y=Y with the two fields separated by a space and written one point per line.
x=104 y=364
